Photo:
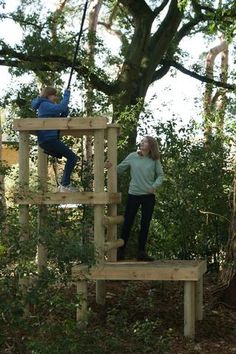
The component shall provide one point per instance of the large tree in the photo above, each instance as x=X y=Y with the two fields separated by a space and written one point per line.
x=150 y=33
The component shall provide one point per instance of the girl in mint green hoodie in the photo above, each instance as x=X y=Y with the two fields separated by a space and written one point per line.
x=146 y=176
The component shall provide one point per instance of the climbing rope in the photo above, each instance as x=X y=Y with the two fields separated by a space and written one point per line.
x=77 y=44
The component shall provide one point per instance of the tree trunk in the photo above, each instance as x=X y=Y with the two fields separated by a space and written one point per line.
x=227 y=279
x=214 y=112
x=214 y=104
x=145 y=54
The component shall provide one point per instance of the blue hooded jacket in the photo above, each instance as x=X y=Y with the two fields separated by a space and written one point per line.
x=47 y=109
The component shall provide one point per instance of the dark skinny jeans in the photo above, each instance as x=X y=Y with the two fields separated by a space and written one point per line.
x=57 y=148
x=147 y=202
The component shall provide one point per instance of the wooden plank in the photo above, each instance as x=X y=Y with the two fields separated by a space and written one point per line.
x=199 y=299
x=113 y=220
x=112 y=187
x=24 y=209
x=24 y=183
x=113 y=125
x=109 y=126
x=157 y=270
x=42 y=212
x=109 y=245
x=82 y=292
x=90 y=198
x=202 y=269
x=189 y=309
x=99 y=230
x=77 y=133
x=34 y=124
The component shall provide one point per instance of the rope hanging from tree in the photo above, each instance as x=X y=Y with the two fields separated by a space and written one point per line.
x=77 y=44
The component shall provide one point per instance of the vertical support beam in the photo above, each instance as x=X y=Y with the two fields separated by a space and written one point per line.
x=199 y=299
x=82 y=292
x=112 y=187
x=189 y=309
x=24 y=188
x=99 y=231
x=2 y=185
x=42 y=212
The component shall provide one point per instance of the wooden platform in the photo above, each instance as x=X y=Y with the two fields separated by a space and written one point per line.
x=190 y=272
x=76 y=126
x=90 y=198
x=76 y=123
x=158 y=270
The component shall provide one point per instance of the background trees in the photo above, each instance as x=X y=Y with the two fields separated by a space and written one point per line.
x=150 y=36
x=195 y=213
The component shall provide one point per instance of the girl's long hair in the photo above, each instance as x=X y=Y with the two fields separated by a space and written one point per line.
x=154 y=153
x=48 y=91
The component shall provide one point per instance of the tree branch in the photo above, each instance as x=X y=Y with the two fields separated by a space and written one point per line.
x=184 y=31
x=168 y=63
x=198 y=7
x=22 y=22
x=167 y=28
x=160 y=8
x=138 y=8
x=226 y=16
x=36 y=63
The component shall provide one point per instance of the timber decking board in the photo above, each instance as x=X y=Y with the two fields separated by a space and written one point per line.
x=157 y=270
x=91 y=198
x=33 y=124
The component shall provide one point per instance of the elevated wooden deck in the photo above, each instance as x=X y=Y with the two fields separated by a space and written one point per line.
x=76 y=126
x=190 y=272
x=181 y=270
x=90 y=198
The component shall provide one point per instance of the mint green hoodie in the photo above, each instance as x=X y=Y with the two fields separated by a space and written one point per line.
x=145 y=173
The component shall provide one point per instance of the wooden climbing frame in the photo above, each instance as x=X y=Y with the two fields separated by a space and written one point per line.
x=190 y=272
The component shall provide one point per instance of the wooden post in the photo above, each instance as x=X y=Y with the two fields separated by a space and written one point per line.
x=82 y=292
x=24 y=188
x=189 y=309
x=199 y=299
x=112 y=187
x=113 y=220
x=99 y=230
x=113 y=244
x=42 y=211
x=2 y=177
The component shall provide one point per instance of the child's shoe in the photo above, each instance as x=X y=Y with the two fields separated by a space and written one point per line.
x=67 y=188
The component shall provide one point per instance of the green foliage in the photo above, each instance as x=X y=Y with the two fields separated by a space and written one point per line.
x=17 y=102
x=198 y=179
x=51 y=327
x=182 y=4
x=127 y=119
x=192 y=214
x=145 y=331
x=4 y=168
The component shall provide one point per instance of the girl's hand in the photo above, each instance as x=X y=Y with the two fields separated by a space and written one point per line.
x=107 y=164
x=151 y=190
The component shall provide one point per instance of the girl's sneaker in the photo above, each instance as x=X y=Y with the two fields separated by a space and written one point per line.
x=65 y=189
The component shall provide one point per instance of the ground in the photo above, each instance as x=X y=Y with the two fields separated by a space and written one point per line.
x=138 y=318
x=153 y=314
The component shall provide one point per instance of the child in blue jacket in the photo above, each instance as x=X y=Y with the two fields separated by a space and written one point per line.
x=49 y=140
